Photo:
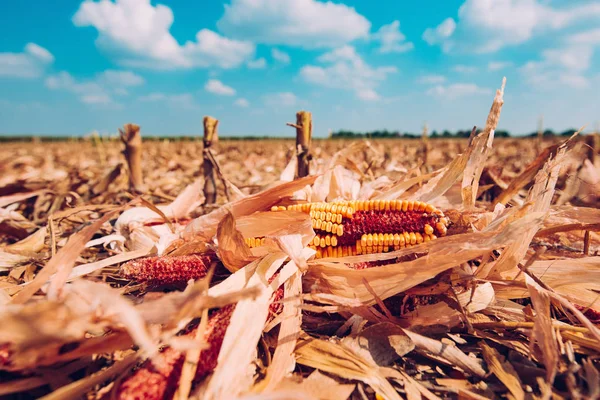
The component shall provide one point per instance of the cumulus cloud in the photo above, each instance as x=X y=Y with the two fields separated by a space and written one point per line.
x=498 y=65
x=259 y=63
x=121 y=78
x=440 y=33
x=217 y=87
x=391 y=39
x=345 y=69
x=465 y=69
x=89 y=92
x=280 y=56
x=485 y=26
x=456 y=90
x=302 y=23
x=178 y=100
x=97 y=90
x=285 y=99
x=241 y=102
x=566 y=65
x=137 y=34
x=31 y=63
x=431 y=79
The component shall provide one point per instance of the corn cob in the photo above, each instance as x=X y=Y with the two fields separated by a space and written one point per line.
x=363 y=227
x=158 y=380
x=167 y=270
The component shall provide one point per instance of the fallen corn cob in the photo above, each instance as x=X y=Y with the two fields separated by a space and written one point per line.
x=350 y=228
x=158 y=380
x=167 y=270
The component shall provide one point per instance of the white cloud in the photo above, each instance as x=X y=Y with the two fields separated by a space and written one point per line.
x=347 y=70
x=280 y=56
x=465 y=69
x=302 y=23
x=440 y=33
x=121 y=78
x=286 y=99
x=241 y=102
x=137 y=34
x=217 y=87
x=431 y=79
x=498 y=65
x=456 y=90
x=97 y=90
x=180 y=100
x=591 y=37
x=391 y=39
x=564 y=65
x=89 y=92
x=485 y=26
x=31 y=63
x=259 y=63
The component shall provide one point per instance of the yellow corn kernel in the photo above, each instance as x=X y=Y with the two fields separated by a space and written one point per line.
x=322 y=242
x=378 y=205
x=369 y=240
x=419 y=237
x=338 y=218
x=328 y=217
x=340 y=230
x=364 y=239
x=426 y=238
x=319 y=223
x=328 y=226
x=404 y=205
x=428 y=229
x=411 y=205
x=328 y=207
x=380 y=237
x=328 y=240
x=406 y=238
x=375 y=239
x=429 y=208
x=413 y=238
x=334 y=241
x=316 y=240
x=396 y=239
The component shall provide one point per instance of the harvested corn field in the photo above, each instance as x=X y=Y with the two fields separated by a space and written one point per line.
x=388 y=269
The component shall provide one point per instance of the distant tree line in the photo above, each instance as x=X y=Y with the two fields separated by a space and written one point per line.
x=341 y=134
x=383 y=134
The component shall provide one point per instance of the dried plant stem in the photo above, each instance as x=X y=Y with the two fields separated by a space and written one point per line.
x=132 y=139
x=593 y=142
x=425 y=146
x=210 y=183
x=525 y=325
x=303 y=127
x=586 y=243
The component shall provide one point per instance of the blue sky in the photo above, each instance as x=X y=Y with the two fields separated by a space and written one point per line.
x=71 y=67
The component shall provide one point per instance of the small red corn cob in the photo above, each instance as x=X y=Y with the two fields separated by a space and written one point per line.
x=167 y=270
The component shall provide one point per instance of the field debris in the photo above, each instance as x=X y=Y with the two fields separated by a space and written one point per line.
x=119 y=279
